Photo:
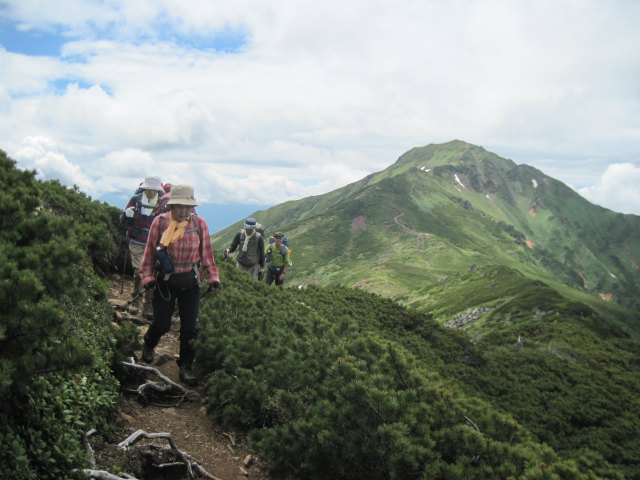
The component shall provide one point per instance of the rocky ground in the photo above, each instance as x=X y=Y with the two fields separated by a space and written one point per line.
x=225 y=455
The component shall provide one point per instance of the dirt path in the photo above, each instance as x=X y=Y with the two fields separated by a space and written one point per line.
x=221 y=453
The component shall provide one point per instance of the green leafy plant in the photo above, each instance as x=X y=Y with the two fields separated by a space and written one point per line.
x=55 y=331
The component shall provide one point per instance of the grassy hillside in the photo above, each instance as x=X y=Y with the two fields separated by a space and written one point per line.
x=442 y=208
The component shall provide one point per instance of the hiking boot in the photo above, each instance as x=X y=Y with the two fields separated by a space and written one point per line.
x=134 y=307
x=187 y=376
x=147 y=353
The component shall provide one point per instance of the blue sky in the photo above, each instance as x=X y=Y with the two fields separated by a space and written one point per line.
x=255 y=103
x=30 y=42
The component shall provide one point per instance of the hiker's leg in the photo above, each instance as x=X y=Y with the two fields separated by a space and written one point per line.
x=147 y=308
x=163 y=303
x=134 y=305
x=189 y=304
x=137 y=252
x=275 y=275
x=137 y=285
x=242 y=268
x=268 y=277
x=253 y=271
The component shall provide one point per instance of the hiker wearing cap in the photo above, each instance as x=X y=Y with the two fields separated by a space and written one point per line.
x=278 y=260
x=137 y=217
x=178 y=243
x=250 y=245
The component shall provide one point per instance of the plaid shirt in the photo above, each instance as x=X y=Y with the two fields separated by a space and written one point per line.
x=185 y=253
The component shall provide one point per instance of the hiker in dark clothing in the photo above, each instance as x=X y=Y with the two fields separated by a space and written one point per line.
x=137 y=217
x=181 y=237
x=250 y=245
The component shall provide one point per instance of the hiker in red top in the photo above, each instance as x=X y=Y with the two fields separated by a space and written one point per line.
x=178 y=242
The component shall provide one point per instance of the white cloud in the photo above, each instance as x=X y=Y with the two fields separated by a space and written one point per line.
x=320 y=93
x=617 y=189
x=41 y=154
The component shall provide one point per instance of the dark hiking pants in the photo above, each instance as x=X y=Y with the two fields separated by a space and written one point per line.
x=164 y=300
x=273 y=274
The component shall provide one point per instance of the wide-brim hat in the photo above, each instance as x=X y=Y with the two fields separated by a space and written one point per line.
x=182 y=195
x=250 y=223
x=278 y=235
x=152 y=183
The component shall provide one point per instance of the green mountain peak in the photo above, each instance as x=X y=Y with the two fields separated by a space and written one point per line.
x=443 y=207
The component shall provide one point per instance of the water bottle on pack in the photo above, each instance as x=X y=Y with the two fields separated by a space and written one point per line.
x=164 y=262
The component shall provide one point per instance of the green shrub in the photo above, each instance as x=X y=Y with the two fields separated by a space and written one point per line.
x=321 y=380
x=56 y=344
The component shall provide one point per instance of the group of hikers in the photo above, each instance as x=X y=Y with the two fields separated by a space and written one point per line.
x=169 y=244
x=253 y=256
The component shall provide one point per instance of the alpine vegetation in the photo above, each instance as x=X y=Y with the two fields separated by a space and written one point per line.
x=459 y=317
x=57 y=342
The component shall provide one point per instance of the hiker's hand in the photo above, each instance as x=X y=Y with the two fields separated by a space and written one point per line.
x=130 y=212
x=150 y=285
x=225 y=253
x=215 y=285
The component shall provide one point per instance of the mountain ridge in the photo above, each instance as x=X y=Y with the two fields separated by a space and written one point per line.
x=443 y=207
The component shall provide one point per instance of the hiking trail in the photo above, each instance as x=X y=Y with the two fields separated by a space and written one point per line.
x=223 y=454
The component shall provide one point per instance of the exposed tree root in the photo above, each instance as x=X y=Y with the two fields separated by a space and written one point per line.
x=104 y=475
x=165 y=458
x=166 y=389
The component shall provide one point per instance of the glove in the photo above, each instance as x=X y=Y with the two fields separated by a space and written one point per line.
x=225 y=253
x=151 y=284
x=215 y=285
x=260 y=274
x=130 y=212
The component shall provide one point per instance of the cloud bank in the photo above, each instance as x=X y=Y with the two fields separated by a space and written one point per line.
x=617 y=188
x=262 y=102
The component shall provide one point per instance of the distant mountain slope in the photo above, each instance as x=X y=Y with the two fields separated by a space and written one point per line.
x=441 y=208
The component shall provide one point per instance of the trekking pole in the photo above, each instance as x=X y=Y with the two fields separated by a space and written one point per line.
x=124 y=267
x=126 y=305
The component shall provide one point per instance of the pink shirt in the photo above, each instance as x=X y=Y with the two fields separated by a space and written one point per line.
x=193 y=247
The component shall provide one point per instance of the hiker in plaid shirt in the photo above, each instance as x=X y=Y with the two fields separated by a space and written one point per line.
x=181 y=238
